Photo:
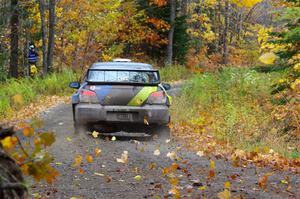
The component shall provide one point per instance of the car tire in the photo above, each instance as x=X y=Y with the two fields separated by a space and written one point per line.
x=162 y=131
x=79 y=128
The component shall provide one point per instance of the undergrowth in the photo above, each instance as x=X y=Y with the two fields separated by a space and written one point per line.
x=235 y=104
x=174 y=73
x=16 y=93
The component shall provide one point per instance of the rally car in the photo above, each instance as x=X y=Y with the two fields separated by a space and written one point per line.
x=122 y=94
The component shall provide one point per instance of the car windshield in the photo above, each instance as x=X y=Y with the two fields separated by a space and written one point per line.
x=146 y=77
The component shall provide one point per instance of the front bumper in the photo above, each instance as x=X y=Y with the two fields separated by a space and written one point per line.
x=93 y=113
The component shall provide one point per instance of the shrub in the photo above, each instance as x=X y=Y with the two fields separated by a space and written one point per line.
x=15 y=93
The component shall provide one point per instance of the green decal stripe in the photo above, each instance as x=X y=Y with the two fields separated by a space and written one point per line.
x=142 y=96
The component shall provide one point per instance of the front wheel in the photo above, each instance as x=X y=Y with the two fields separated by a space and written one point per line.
x=162 y=131
x=79 y=128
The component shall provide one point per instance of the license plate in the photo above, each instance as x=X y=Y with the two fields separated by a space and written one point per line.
x=124 y=116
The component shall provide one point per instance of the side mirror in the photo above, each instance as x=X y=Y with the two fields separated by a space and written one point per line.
x=166 y=86
x=75 y=85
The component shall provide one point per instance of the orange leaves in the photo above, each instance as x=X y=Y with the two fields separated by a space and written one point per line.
x=263 y=180
x=97 y=152
x=89 y=158
x=28 y=131
x=159 y=24
x=159 y=3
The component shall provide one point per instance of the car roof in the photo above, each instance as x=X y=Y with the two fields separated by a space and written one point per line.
x=121 y=65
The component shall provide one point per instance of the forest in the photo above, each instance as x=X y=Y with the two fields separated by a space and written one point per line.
x=236 y=62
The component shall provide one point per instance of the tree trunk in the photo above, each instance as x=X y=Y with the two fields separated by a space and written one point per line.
x=171 y=31
x=51 y=34
x=219 y=26
x=44 y=36
x=225 y=34
x=14 y=39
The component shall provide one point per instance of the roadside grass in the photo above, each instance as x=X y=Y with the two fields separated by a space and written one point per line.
x=235 y=106
x=17 y=93
x=174 y=73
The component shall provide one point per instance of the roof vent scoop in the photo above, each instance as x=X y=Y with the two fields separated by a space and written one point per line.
x=121 y=60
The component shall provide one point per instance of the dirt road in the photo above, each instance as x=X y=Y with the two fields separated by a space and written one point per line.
x=106 y=178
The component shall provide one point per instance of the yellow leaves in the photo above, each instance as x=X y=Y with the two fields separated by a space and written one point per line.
x=173 y=181
x=296 y=84
x=246 y=3
x=98 y=152
x=9 y=142
x=77 y=160
x=146 y=121
x=268 y=58
x=17 y=100
x=47 y=139
x=95 y=134
x=226 y=193
x=297 y=67
x=124 y=158
x=174 y=191
x=138 y=178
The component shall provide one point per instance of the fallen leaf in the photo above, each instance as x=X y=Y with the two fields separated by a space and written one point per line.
x=174 y=192
x=262 y=181
x=98 y=174
x=152 y=166
x=78 y=160
x=69 y=139
x=172 y=155
x=146 y=121
x=138 y=178
x=108 y=179
x=95 y=134
x=224 y=194
x=157 y=152
x=113 y=138
x=227 y=185
x=168 y=140
x=98 y=152
x=174 y=181
x=124 y=158
x=58 y=163
x=89 y=158
x=200 y=153
x=81 y=171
